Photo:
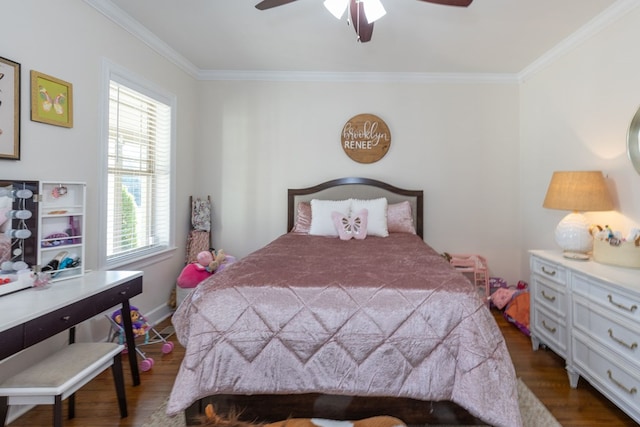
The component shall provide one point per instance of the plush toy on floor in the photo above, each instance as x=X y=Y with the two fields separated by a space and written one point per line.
x=213 y=419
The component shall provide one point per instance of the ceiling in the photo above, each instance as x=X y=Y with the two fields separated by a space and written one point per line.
x=488 y=37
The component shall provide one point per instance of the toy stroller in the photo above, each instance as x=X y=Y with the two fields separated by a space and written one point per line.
x=141 y=329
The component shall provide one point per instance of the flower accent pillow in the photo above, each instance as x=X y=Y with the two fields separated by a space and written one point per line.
x=351 y=227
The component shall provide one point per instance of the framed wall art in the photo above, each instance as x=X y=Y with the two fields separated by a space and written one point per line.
x=51 y=100
x=365 y=138
x=9 y=109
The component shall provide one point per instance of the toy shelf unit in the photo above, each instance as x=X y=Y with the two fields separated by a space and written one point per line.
x=61 y=229
x=475 y=267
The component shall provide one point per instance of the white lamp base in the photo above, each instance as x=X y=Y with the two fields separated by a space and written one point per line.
x=574 y=237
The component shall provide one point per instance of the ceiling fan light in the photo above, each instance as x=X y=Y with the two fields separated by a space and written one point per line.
x=336 y=7
x=373 y=10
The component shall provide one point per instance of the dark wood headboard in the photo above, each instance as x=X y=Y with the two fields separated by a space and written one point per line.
x=361 y=188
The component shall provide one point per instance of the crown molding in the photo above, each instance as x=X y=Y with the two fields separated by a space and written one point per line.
x=357 y=77
x=123 y=19
x=597 y=24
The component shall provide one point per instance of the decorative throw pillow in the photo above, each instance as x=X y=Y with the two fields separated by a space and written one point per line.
x=351 y=227
x=321 y=220
x=502 y=296
x=399 y=218
x=303 y=218
x=377 y=215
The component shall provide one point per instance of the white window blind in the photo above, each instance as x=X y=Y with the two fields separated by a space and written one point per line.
x=138 y=203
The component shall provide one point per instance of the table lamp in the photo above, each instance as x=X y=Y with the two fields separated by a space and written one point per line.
x=577 y=191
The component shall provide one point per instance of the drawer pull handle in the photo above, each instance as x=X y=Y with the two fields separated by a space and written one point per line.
x=549 y=272
x=548 y=297
x=548 y=328
x=123 y=292
x=65 y=318
x=617 y=304
x=619 y=384
x=621 y=342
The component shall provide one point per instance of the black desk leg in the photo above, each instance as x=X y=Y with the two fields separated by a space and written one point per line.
x=4 y=409
x=131 y=343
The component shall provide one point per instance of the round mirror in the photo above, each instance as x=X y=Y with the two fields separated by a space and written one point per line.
x=633 y=141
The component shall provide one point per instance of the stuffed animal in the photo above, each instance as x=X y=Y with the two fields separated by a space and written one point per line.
x=208 y=262
x=138 y=325
x=213 y=419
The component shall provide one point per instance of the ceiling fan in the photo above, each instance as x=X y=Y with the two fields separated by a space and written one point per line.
x=363 y=13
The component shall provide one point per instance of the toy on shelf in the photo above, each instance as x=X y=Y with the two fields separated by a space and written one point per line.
x=141 y=330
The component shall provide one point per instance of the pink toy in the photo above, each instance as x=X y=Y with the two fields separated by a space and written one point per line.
x=191 y=275
x=194 y=273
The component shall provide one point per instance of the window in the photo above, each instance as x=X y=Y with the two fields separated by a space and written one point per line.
x=138 y=197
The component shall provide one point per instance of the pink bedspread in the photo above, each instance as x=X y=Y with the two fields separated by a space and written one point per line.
x=374 y=317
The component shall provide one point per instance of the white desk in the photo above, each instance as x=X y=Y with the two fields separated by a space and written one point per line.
x=32 y=315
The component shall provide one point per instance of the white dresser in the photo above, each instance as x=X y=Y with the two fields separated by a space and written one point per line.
x=589 y=313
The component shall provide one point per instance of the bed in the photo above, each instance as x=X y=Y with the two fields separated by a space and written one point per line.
x=346 y=315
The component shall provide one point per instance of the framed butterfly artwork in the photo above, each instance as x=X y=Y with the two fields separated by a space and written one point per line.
x=9 y=109
x=51 y=100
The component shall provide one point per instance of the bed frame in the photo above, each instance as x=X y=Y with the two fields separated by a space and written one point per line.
x=363 y=188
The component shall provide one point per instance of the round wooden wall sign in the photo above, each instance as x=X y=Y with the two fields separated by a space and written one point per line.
x=366 y=138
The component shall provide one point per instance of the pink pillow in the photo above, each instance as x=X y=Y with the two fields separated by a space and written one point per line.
x=191 y=276
x=399 y=218
x=502 y=296
x=353 y=227
x=303 y=218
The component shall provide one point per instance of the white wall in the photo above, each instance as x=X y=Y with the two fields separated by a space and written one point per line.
x=68 y=39
x=458 y=142
x=575 y=115
x=483 y=152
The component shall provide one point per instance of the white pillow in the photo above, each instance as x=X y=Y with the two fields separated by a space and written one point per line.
x=377 y=217
x=321 y=219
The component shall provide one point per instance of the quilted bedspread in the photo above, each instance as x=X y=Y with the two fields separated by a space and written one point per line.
x=373 y=317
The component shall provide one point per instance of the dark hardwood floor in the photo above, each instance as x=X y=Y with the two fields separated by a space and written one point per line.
x=542 y=371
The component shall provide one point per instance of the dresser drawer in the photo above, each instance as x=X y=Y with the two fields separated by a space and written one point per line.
x=549 y=295
x=549 y=270
x=11 y=341
x=57 y=321
x=613 y=300
x=621 y=382
x=615 y=334
x=117 y=295
x=550 y=329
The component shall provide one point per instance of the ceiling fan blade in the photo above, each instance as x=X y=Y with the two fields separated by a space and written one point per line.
x=363 y=29
x=268 y=4
x=461 y=3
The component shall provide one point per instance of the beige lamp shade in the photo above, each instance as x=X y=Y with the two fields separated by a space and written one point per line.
x=577 y=191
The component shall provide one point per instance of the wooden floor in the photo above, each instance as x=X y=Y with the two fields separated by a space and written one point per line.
x=542 y=371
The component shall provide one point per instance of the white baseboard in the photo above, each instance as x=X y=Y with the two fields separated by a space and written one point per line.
x=158 y=314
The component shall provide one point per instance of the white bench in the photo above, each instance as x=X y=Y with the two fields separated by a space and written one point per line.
x=60 y=375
